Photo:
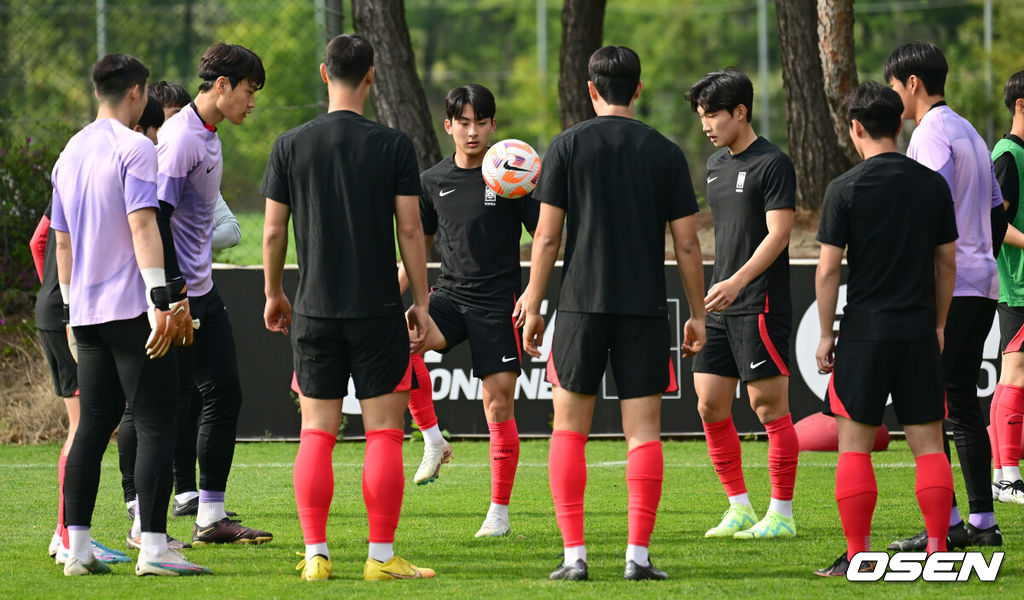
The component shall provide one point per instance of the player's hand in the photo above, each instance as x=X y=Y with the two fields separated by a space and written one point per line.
x=417 y=318
x=519 y=312
x=277 y=314
x=694 y=337
x=722 y=295
x=72 y=342
x=533 y=334
x=181 y=314
x=940 y=333
x=162 y=331
x=826 y=354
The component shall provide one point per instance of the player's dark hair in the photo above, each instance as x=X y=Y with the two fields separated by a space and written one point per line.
x=615 y=71
x=472 y=94
x=235 y=62
x=152 y=115
x=169 y=94
x=923 y=59
x=1014 y=90
x=115 y=74
x=722 y=90
x=348 y=58
x=875 y=106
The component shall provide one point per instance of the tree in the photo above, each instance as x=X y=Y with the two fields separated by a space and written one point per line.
x=813 y=142
x=582 y=32
x=398 y=98
x=839 y=66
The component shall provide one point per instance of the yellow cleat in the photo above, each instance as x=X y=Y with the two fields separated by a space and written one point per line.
x=395 y=568
x=317 y=568
x=737 y=518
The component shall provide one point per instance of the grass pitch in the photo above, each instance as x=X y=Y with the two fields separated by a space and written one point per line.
x=439 y=520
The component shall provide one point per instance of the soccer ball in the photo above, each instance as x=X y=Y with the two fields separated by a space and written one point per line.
x=511 y=168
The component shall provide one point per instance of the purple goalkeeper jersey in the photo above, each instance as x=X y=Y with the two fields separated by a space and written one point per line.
x=189 y=180
x=947 y=143
x=105 y=172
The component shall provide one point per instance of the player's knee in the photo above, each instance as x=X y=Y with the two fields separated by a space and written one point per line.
x=711 y=411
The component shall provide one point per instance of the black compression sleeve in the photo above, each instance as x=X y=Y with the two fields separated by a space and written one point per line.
x=163 y=222
x=999 y=224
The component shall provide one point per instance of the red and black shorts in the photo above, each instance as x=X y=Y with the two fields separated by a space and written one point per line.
x=637 y=348
x=373 y=351
x=63 y=368
x=867 y=372
x=1011 y=328
x=492 y=333
x=746 y=347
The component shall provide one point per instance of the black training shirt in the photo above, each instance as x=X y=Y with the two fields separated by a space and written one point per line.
x=339 y=174
x=620 y=182
x=890 y=212
x=49 y=304
x=741 y=188
x=478 y=232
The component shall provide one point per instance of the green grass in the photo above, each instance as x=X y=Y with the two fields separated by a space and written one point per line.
x=438 y=522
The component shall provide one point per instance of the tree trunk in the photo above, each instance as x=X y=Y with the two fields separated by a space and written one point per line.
x=839 y=64
x=582 y=32
x=813 y=144
x=397 y=95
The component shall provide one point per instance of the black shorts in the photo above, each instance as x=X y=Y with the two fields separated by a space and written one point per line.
x=638 y=349
x=1011 y=328
x=63 y=367
x=746 y=347
x=867 y=372
x=373 y=351
x=492 y=334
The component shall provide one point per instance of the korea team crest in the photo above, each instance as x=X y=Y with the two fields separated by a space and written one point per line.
x=490 y=198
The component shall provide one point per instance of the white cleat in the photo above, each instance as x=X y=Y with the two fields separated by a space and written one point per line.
x=170 y=563
x=434 y=455
x=996 y=489
x=1012 y=492
x=54 y=545
x=494 y=526
x=74 y=566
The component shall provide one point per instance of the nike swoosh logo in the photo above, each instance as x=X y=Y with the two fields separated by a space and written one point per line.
x=445 y=192
x=509 y=359
x=402 y=575
x=208 y=169
x=500 y=457
x=509 y=166
x=206 y=530
x=710 y=179
x=754 y=365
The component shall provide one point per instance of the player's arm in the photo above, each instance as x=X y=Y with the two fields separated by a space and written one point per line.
x=689 y=260
x=780 y=224
x=546 y=243
x=277 y=313
x=826 y=288
x=945 y=279
x=226 y=232
x=403 y=278
x=37 y=244
x=412 y=246
x=149 y=254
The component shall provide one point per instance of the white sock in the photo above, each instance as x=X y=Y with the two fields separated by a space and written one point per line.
x=80 y=544
x=1011 y=473
x=210 y=513
x=637 y=554
x=432 y=435
x=154 y=544
x=574 y=553
x=314 y=549
x=997 y=475
x=740 y=499
x=381 y=552
x=137 y=522
x=185 y=496
x=498 y=510
x=783 y=507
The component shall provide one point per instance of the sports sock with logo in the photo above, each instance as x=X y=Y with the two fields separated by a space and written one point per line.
x=645 y=468
x=504 y=446
x=1008 y=423
x=313 y=480
x=61 y=465
x=934 y=487
x=421 y=398
x=211 y=508
x=993 y=433
x=783 y=454
x=726 y=455
x=383 y=483
x=856 y=495
x=567 y=470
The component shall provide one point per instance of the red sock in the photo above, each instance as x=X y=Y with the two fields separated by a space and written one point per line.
x=645 y=469
x=1008 y=424
x=935 y=497
x=504 y=459
x=61 y=466
x=856 y=494
x=567 y=469
x=783 y=454
x=726 y=456
x=383 y=483
x=313 y=480
x=993 y=429
x=421 y=399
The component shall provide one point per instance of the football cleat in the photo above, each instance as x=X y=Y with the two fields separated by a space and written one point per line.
x=996 y=488
x=395 y=568
x=494 y=526
x=737 y=518
x=956 y=538
x=55 y=542
x=434 y=455
x=101 y=552
x=635 y=572
x=191 y=508
x=773 y=525
x=169 y=563
x=842 y=565
x=135 y=543
x=1012 y=492
x=75 y=566
x=317 y=568
x=984 y=537
x=228 y=531
x=577 y=571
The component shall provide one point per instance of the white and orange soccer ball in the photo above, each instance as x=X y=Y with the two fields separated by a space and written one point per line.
x=511 y=168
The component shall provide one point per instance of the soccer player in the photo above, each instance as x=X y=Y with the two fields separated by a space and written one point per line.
x=902 y=266
x=947 y=143
x=1007 y=410
x=151 y=120
x=476 y=292
x=110 y=268
x=348 y=182
x=751 y=189
x=191 y=165
x=615 y=182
